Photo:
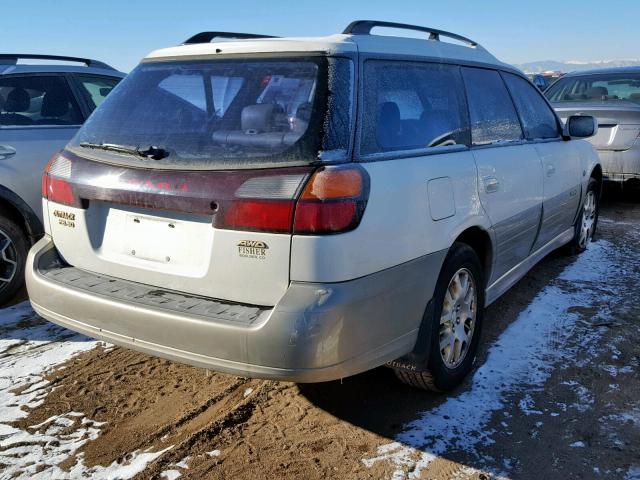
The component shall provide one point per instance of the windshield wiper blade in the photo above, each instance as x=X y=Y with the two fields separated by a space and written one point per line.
x=155 y=153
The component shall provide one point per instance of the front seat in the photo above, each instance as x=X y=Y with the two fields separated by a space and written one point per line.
x=18 y=100
x=596 y=92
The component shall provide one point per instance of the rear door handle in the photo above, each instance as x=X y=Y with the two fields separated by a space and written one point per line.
x=6 y=151
x=491 y=184
x=551 y=169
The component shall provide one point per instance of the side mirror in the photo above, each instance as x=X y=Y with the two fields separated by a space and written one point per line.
x=581 y=126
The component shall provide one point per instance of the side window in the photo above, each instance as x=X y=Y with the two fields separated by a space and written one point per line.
x=37 y=100
x=411 y=105
x=493 y=116
x=538 y=119
x=95 y=88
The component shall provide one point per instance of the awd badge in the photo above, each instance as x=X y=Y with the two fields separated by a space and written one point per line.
x=252 y=249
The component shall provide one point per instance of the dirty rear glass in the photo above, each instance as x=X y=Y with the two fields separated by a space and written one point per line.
x=235 y=113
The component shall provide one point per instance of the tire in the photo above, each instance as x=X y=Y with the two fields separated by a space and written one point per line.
x=13 y=256
x=587 y=222
x=443 y=372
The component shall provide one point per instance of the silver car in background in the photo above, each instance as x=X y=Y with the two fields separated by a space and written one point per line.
x=613 y=97
x=43 y=103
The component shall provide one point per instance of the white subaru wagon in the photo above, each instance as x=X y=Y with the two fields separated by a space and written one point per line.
x=306 y=209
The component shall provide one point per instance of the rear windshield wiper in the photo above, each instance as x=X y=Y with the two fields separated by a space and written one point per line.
x=156 y=153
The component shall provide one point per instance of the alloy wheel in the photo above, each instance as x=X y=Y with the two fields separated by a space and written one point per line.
x=8 y=260
x=458 y=318
x=588 y=219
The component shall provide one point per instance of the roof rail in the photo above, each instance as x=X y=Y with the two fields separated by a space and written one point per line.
x=12 y=58
x=364 y=27
x=206 y=37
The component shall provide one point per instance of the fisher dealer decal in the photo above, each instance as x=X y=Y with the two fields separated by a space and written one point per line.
x=252 y=249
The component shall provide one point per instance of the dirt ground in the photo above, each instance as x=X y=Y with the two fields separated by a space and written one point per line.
x=555 y=394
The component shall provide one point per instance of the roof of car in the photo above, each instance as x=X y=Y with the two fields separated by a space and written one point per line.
x=464 y=50
x=604 y=71
x=11 y=63
x=20 y=68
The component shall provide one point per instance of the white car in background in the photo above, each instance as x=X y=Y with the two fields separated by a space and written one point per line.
x=306 y=209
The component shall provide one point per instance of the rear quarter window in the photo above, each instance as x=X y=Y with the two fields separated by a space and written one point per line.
x=412 y=105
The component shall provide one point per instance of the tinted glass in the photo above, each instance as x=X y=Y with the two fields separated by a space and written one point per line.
x=213 y=114
x=96 y=89
x=619 y=87
x=37 y=100
x=493 y=116
x=410 y=105
x=537 y=118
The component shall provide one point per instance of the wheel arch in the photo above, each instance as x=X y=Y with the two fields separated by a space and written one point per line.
x=12 y=206
x=596 y=174
x=480 y=241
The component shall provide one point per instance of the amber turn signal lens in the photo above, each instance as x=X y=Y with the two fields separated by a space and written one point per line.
x=333 y=184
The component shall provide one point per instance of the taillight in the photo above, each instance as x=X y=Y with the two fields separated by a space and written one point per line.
x=55 y=181
x=259 y=215
x=331 y=201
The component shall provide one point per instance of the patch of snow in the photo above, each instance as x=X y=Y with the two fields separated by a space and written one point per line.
x=578 y=444
x=526 y=406
x=633 y=473
x=214 y=453
x=615 y=371
x=248 y=392
x=523 y=356
x=29 y=348
x=171 y=474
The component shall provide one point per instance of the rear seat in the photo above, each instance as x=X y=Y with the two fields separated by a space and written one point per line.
x=262 y=126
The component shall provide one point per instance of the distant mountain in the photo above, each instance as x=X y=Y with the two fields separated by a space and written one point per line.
x=573 y=65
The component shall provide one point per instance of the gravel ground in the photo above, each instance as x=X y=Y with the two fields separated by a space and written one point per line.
x=556 y=394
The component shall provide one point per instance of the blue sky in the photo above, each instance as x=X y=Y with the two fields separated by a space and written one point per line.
x=121 y=32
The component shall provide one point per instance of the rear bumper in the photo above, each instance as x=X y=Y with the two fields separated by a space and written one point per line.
x=619 y=166
x=316 y=332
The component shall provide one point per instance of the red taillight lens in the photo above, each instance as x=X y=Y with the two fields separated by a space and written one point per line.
x=260 y=215
x=55 y=184
x=321 y=217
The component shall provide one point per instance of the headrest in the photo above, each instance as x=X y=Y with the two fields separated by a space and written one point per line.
x=54 y=104
x=389 y=112
x=596 y=92
x=18 y=100
x=259 y=118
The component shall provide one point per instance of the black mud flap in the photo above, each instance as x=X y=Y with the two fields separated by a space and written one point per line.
x=417 y=360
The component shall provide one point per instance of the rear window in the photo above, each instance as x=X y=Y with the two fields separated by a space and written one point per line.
x=596 y=88
x=224 y=113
